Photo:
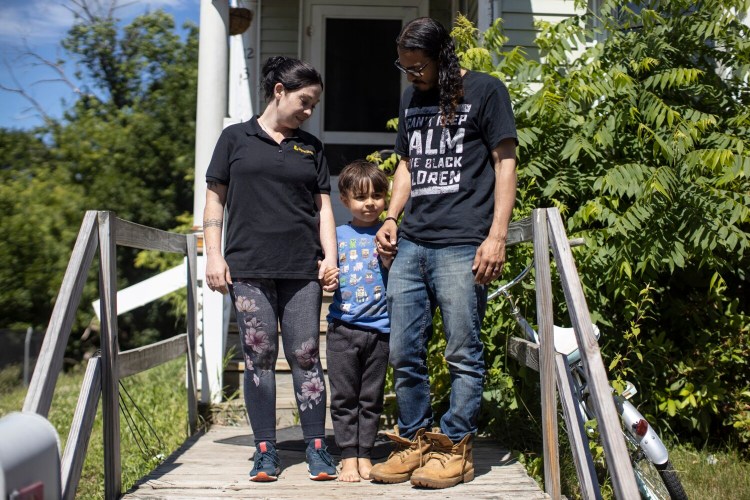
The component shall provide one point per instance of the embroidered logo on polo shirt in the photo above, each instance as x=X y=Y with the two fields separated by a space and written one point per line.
x=303 y=151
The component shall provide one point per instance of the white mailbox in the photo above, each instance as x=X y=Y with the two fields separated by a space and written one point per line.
x=29 y=458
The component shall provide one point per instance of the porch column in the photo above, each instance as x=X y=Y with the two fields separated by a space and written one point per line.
x=213 y=71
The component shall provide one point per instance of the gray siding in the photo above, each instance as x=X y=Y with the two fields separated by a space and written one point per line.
x=279 y=29
x=519 y=16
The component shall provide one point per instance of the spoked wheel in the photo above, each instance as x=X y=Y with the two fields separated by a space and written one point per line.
x=648 y=479
x=671 y=481
x=655 y=482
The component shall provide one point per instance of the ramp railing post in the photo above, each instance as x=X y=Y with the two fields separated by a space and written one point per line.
x=110 y=349
x=547 y=355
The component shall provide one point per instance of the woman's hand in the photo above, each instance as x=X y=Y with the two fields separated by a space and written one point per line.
x=328 y=274
x=217 y=273
x=330 y=279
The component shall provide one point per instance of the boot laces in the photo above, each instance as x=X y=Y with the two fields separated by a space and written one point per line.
x=402 y=449
x=444 y=453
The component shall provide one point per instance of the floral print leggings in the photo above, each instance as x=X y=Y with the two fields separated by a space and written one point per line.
x=261 y=305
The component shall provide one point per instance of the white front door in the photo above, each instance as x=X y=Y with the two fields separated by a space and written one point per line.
x=354 y=47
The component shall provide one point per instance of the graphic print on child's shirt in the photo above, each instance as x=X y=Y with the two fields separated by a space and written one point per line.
x=360 y=298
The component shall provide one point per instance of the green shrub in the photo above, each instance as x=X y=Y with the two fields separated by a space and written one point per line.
x=639 y=139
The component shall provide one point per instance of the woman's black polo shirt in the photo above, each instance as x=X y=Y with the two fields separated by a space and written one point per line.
x=272 y=218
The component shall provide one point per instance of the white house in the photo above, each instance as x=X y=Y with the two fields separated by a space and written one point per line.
x=352 y=44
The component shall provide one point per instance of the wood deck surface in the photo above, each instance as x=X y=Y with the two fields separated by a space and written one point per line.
x=215 y=464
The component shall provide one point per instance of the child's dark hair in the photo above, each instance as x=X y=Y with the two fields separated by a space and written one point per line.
x=359 y=175
x=292 y=73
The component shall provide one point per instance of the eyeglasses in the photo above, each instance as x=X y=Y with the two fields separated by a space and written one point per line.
x=411 y=71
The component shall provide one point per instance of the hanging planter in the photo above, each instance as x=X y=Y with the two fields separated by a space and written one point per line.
x=239 y=20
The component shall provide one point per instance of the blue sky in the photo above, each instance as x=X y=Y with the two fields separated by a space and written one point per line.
x=38 y=26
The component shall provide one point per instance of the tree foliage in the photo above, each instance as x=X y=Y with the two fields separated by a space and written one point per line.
x=635 y=125
x=126 y=144
x=39 y=214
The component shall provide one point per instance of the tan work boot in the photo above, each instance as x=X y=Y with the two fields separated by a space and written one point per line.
x=403 y=460
x=446 y=464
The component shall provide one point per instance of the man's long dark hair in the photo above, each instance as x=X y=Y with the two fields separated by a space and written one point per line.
x=433 y=39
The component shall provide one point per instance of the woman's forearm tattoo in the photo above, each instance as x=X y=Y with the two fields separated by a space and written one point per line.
x=212 y=223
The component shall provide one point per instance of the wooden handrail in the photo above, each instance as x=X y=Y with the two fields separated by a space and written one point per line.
x=547 y=355
x=146 y=357
x=130 y=234
x=80 y=428
x=103 y=373
x=191 y=243
x=519 y=231
x=548 y=231
x=110 y=350
x=608 y=420
x=48 y=365
x=527 y=354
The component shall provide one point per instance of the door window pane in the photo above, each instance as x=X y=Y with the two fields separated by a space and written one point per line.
x=362 y=88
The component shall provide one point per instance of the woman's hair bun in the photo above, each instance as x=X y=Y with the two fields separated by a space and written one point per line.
x=272 y=64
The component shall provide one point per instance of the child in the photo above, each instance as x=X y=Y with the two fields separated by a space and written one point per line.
x=357 y=338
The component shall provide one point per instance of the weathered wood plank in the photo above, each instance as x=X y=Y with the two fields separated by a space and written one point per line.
x=192 y=331
x=110 y=348
x=134 y=235
x=147 y=357
x=576 y=434
x=608 y=421
x=547 y=354
x=80 y=429
x=519 y=232
x=42 y=386
x=215 y=465
x=525 y=352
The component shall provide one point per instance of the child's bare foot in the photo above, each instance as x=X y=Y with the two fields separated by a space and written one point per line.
x=349 y=473
x=364 y=465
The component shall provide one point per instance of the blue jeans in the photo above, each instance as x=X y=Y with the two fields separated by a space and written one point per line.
x=422 y=278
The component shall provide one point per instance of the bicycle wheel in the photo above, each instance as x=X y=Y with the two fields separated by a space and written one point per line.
x=671 y=481
x=655 y=482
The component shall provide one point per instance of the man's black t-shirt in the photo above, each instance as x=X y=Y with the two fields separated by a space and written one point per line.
x=452 y=176
x=272 y=218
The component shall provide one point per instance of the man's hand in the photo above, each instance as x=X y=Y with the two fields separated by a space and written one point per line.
x=387 y=237
x=387 y=261
x=489 y=260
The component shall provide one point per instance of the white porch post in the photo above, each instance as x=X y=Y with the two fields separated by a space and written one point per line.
x=213 y=70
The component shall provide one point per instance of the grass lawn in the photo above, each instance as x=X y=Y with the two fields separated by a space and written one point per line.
x=705 y=474
x=712 y=475
x=159 y=393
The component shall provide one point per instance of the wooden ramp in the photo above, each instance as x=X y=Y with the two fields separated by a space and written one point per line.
x=215 y=464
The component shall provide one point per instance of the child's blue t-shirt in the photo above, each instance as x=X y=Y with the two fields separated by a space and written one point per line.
x=360 y=298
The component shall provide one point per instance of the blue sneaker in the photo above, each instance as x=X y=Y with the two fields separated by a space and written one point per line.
x=320 y=463
x=266 y=463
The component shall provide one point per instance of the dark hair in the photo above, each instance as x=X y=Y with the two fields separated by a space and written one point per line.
x=292 y=73
x=431 y=37
x=359 y=175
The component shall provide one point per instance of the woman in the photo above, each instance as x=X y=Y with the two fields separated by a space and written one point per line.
x=281 y=238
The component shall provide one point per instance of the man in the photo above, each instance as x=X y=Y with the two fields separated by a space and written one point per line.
x=456 y=184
